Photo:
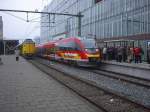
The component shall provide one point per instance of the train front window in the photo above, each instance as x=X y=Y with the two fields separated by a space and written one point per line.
x=89 y=43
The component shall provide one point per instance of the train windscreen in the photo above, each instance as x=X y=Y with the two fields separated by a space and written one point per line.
x=89 y=43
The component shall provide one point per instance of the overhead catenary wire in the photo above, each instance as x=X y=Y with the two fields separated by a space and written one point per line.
x=36 y=18
x=20 y=18
x=15 y=16
x=37 y=12
x=26 y=20
x=33 y=30
x=30 y=24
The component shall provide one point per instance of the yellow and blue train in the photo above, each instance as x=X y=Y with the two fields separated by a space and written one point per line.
x=27 y=48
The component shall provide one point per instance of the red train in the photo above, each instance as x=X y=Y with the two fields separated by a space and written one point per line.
x=82 y=52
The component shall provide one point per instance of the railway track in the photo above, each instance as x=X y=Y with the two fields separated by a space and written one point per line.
x=105 y=100
x=122 y=77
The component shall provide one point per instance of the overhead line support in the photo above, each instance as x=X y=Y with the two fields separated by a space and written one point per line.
x=51 y=13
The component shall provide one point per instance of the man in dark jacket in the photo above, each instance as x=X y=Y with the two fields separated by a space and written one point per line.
x=120 y=53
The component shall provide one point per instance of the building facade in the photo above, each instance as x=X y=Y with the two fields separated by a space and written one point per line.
x=101 y=18
x=1 y=28
x=104 y=20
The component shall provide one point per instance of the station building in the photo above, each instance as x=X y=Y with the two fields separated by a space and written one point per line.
x=111 y=22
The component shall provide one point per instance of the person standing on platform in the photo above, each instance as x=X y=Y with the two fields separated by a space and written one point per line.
x=110 y=52
x=141 y=53
x=130 y=54
x=148 y=54
x=120 y=53
x=138 y=54
x=17 y=52
x=124 y=53
x=105 y=53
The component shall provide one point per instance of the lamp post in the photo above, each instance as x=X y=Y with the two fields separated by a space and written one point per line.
x=4 y=42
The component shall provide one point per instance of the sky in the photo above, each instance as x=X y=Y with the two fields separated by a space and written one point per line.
x=15 y=28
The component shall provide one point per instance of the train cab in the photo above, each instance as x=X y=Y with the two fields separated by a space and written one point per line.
x=83 y=52
x=27 y=48
x=91 y=50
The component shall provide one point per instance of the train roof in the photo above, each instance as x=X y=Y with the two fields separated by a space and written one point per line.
x=75 y=39
x=28 y=41
x=55 y=42
x=47 y=44
x=70 y=38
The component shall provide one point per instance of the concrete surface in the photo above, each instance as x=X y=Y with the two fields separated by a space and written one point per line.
x=24 y=88
x=138 y=70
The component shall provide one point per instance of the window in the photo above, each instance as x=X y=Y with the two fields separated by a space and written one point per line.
x=68 y=46
x=96 y=1
x=89 y=43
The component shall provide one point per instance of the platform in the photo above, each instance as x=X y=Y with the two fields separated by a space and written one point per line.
x=140 y=70
x=24 y=88
x=142 y=65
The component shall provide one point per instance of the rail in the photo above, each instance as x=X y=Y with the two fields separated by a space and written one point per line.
x=80 y=91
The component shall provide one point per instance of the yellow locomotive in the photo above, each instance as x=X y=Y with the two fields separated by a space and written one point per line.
x=27 y=48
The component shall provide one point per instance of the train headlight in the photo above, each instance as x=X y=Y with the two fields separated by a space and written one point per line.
x=97 y=50
x=86 y=50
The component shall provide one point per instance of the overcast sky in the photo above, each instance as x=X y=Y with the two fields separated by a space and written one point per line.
x=15 y=28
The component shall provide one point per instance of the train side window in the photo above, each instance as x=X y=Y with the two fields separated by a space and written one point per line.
x=62 y=48
x=70 y=45
x=77 y=47
x=67 y=46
